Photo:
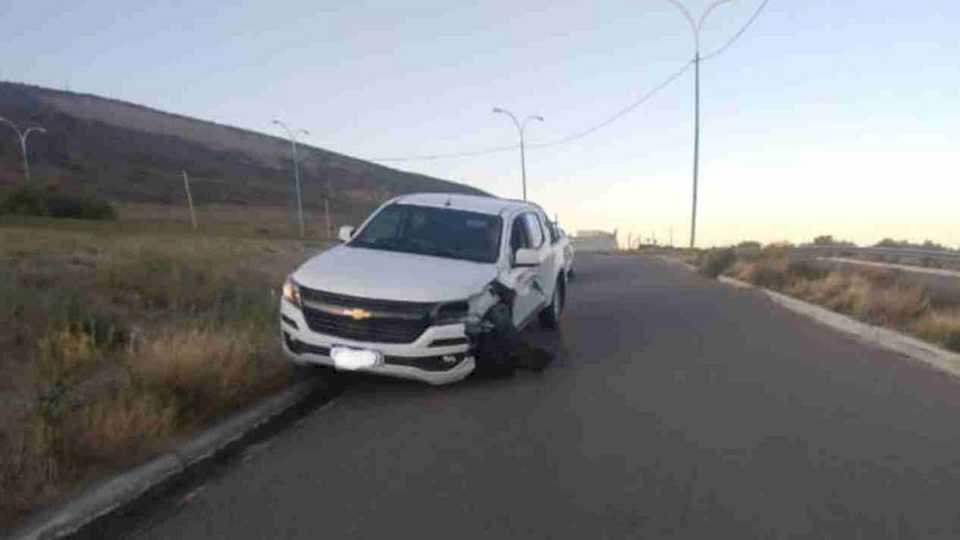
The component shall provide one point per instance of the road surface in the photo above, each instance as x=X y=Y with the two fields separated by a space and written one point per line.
x=678 y=408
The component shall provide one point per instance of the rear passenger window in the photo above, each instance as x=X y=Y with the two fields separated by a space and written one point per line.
x=534 y=229
x=518 y=235
x=554 y=234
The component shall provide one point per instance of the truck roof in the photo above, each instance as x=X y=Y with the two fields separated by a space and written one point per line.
x=472 y=203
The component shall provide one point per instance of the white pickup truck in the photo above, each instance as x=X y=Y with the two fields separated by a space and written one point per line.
x=405 y=294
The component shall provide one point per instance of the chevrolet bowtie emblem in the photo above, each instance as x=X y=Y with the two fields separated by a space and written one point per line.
x=357 y=314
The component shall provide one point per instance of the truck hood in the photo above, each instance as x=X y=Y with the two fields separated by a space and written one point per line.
x=389 y=275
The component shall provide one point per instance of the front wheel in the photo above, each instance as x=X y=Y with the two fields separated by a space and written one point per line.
x=550 y=316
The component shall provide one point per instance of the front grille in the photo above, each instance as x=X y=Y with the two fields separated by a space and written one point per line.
x=388 y=321
x=342 y=300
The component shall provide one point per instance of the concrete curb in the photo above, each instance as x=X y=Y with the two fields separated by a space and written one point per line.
x=127 y=487
x=911 y=347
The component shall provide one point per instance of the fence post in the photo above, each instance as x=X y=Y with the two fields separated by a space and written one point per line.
x=186 y=185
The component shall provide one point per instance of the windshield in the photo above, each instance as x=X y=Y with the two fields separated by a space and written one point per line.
x=438 y=232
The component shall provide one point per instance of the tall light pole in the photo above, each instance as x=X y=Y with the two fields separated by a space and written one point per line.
x=696 y=25
x=292 y=134
x=521 y=126
x=22 y=135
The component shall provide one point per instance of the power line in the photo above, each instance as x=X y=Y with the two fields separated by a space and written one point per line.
x=581 y=134
x=429 y=157
x=737 y=36
x=621 y=113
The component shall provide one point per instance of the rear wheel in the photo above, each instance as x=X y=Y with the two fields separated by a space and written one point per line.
x=550 y=316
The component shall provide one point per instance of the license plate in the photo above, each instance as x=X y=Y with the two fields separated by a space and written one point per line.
x=349 y=358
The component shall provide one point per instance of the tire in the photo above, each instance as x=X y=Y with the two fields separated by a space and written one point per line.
x=493 y=353
x=550 y=316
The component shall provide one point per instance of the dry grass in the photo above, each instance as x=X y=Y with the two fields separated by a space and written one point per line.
x=208 y=369
x=940 y=327
x=875 y=295
x=126 y=421
x=114 y=342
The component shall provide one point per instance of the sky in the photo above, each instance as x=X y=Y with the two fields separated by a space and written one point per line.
x=825 y=117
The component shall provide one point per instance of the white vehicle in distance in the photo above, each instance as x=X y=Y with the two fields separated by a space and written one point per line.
x=405 y=294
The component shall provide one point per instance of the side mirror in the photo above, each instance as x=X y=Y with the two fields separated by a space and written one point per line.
x=526 y=257
x=346 y=233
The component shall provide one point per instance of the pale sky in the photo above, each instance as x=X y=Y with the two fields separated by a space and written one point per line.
x=826 y=117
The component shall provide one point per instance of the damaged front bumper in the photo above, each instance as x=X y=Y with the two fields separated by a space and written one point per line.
x=441 y=355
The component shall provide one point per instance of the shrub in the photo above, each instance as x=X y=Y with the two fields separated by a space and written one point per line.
x=121 y=422
x=65 y=355
x=208 y=369
x=770 y=273
x=718 y=261
x=24 y=202
x=952 y=341
x=32 y=202
x=893 y=306
x=940 y=327
x=803 y=269
x=62 y=206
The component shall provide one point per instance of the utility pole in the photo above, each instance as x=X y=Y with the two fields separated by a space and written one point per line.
x=292 y=134
x=186 y=186
x=521 y=127
x=696 y=26
x=22 y=136
x=696 y=147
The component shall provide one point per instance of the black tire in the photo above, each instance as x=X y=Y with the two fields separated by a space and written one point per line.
x=551 y=315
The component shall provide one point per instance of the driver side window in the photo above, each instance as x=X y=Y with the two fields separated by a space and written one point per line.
x=385 y=225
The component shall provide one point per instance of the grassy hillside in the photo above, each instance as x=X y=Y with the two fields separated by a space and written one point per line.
x=129 y=153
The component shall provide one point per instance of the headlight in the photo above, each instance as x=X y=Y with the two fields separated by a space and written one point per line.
x=291 y=292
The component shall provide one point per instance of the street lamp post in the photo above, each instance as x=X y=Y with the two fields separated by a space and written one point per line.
x=22 y=135
x=292 y=134
x=696 y=25
x=521 y=126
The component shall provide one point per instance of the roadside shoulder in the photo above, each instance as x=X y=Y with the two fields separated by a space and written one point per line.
x=911 y=347
x=125 y=488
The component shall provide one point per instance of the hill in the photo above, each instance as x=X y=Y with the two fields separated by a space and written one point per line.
x=133 y=154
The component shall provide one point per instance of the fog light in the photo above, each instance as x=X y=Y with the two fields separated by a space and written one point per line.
x=449 y=359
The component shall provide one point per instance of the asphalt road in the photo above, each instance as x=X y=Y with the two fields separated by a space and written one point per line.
x=678 y=408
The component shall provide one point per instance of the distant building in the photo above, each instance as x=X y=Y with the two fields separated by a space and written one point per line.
x=593 y=240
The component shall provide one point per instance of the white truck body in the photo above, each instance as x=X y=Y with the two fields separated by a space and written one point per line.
x=405 y=306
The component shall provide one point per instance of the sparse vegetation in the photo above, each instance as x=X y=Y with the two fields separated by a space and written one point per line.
x=130 y=153
x=906 y=244
x=35 y=202
x=828 y=240
x=115 y=342
x=878 y=296
x=717 y=261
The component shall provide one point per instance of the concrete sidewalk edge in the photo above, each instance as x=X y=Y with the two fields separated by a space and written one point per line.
x=911 y=347
x=128 y=486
